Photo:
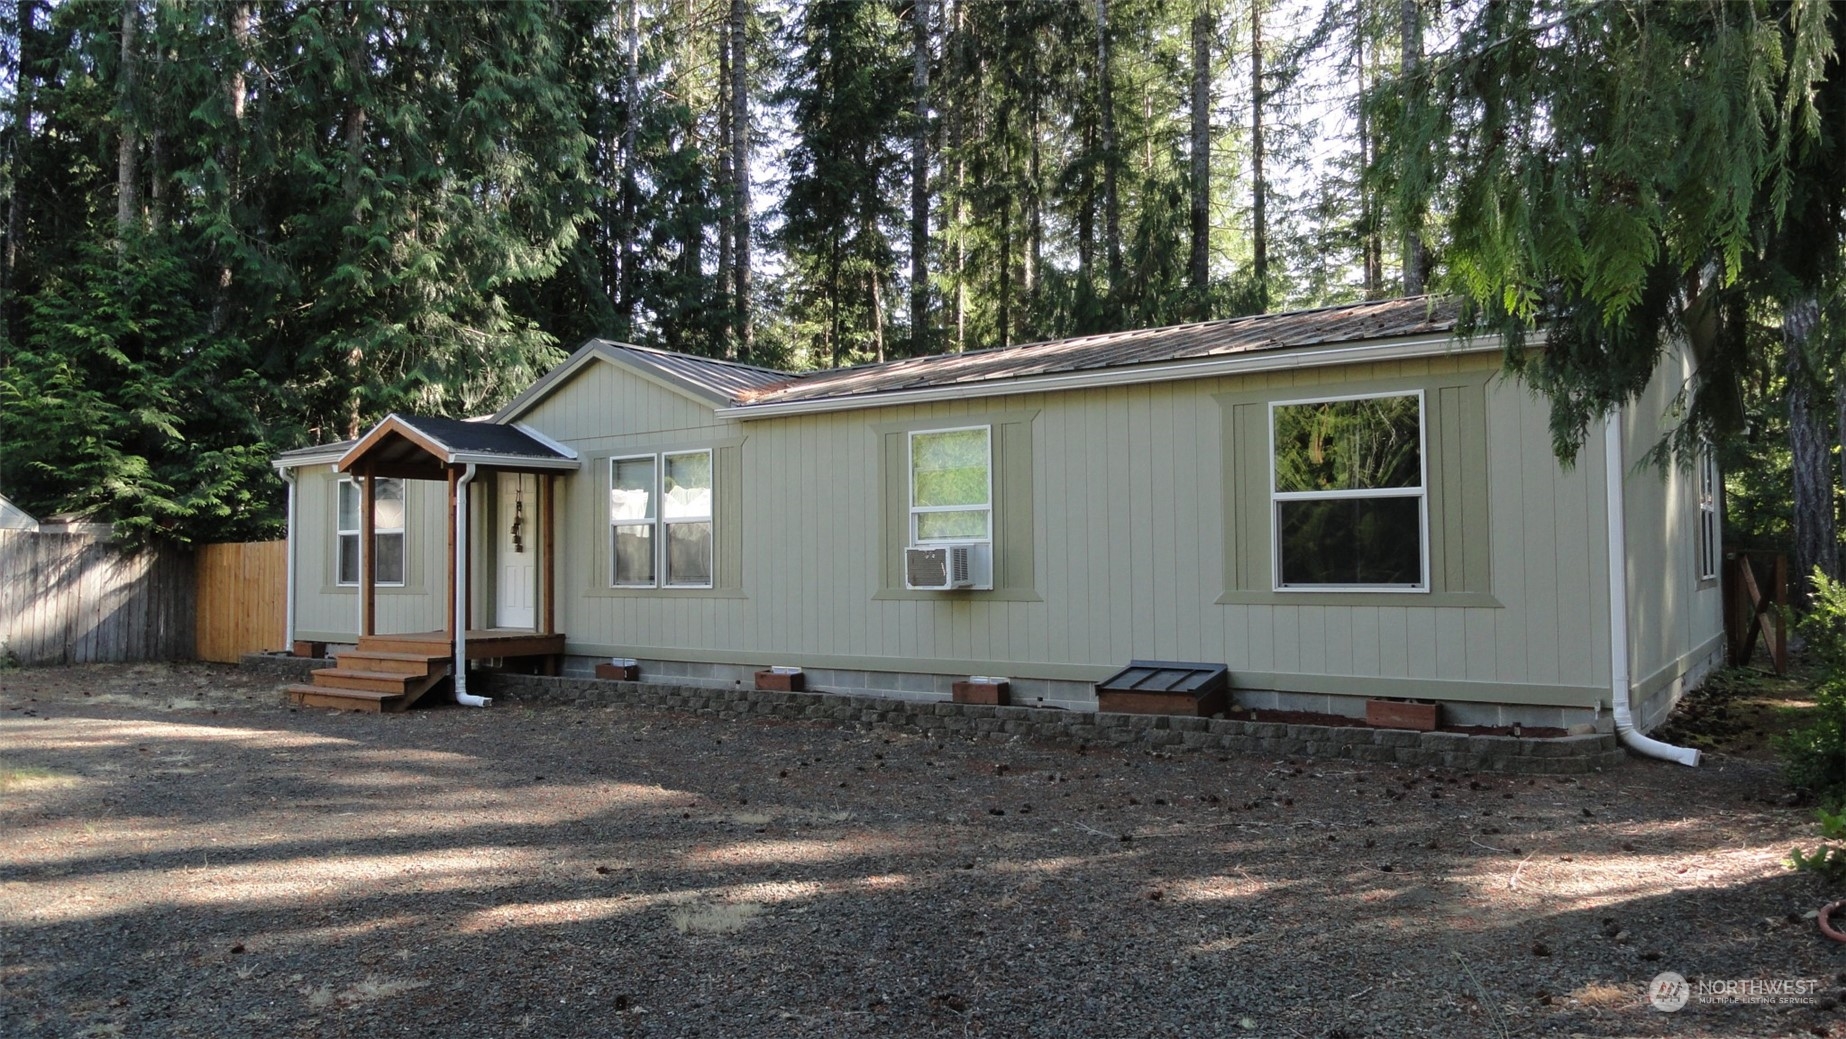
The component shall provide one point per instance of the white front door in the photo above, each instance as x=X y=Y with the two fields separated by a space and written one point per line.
x=516 y=533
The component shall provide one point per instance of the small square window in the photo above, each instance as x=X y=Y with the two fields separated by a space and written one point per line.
x=951 y=485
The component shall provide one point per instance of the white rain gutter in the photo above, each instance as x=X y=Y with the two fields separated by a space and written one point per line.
x=1133 y=375
x=1618 y=607
x=462 y=696
x=288 y=553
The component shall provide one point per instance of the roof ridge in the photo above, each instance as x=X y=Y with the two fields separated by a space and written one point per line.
x=722 y=361
x=1104 y=337
x=1354 y=321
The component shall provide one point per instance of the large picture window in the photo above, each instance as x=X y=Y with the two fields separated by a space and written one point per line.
x=660 y=517
x=1349 y=493
x=951 y=485
x=387 y=531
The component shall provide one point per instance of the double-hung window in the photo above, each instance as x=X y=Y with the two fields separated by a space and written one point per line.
x=1349 y=493
x=951 y=485
x=1708 y=516
x=660 y=517
x=387 y=530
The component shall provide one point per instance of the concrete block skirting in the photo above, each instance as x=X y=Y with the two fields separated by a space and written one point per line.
x=281 y=666
x=940 y=719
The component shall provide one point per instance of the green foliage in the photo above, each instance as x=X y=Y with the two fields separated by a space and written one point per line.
x=1827 y=859
x=1625 y=172
x=1814 y=756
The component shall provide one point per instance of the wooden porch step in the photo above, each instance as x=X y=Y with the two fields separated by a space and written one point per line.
x=380 y=681
x=359 y=688
x=408 y=646
x=345 y=699
x=379 y=660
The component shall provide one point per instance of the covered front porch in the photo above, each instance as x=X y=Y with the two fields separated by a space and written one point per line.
x=389 y=671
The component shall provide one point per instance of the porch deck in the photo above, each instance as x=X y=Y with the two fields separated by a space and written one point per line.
x=391 y=672
x=483 y=643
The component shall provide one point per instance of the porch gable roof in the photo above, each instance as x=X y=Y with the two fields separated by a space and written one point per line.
x=426 y=447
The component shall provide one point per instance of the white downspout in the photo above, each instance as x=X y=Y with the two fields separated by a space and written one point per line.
x=1618 y=606
x=288 y=552
x=462 y=696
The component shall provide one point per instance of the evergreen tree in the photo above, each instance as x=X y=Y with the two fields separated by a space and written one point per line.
x=849 y=82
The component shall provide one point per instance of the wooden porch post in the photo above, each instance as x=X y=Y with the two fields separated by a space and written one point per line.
x=448 y=624
x=368 y=557
x=548 y=619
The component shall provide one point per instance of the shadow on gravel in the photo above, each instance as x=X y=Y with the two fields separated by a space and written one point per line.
x=542 y=873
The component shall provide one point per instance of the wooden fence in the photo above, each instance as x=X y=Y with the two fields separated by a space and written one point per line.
x=79 y=599
x=242 y=605
x=1756 y=607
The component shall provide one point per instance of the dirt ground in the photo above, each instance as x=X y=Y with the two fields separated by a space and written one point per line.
x=183 y=855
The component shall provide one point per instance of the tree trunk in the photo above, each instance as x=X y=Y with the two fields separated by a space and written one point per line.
x=958 y=134
x=25 y=33
x=1032 y=256
x=878 y=313
x=1086 y=209
x=1259 y=190
x=1105 y=100
x=1005 y=203
x=833 y=302
x=1411 y=31
x=1368 y=211
x=1199 y=264
x=128 y=146
x=727 y=192
x=740 y=161
x=631 y=188
x=230 y=152
x=156 y=170
x=1816 y=540
x=919 y=178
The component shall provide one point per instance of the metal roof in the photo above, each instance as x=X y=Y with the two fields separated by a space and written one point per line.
x=1351 y=323
x=728 y=380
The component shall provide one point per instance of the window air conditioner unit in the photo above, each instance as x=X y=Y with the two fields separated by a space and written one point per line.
x=941 y=568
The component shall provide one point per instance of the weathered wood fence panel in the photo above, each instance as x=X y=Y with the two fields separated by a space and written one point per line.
x=242 y=605
x=80 y=599
x=1756 y=607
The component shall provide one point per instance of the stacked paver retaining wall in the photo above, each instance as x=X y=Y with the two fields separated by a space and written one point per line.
x=942 y=719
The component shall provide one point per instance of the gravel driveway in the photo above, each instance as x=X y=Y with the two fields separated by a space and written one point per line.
x=182 y=855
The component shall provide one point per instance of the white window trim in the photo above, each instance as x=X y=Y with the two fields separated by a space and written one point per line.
x=340 y=533
x=1420 y=492
x=658 y=521
x=910 y=479
x=1710 y=529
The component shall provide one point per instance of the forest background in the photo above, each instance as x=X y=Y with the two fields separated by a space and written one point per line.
x=235 y=227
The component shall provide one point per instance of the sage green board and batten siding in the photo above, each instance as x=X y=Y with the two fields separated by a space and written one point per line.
x=328 y=611
x=1127 y=538
x=1674 y=617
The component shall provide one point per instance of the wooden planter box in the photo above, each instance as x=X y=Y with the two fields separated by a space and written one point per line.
x=991 y=694
x=776 y=681
x=1391 y=714
x=619 y=672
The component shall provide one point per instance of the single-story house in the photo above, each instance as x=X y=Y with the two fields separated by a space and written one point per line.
x=1339 y=504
